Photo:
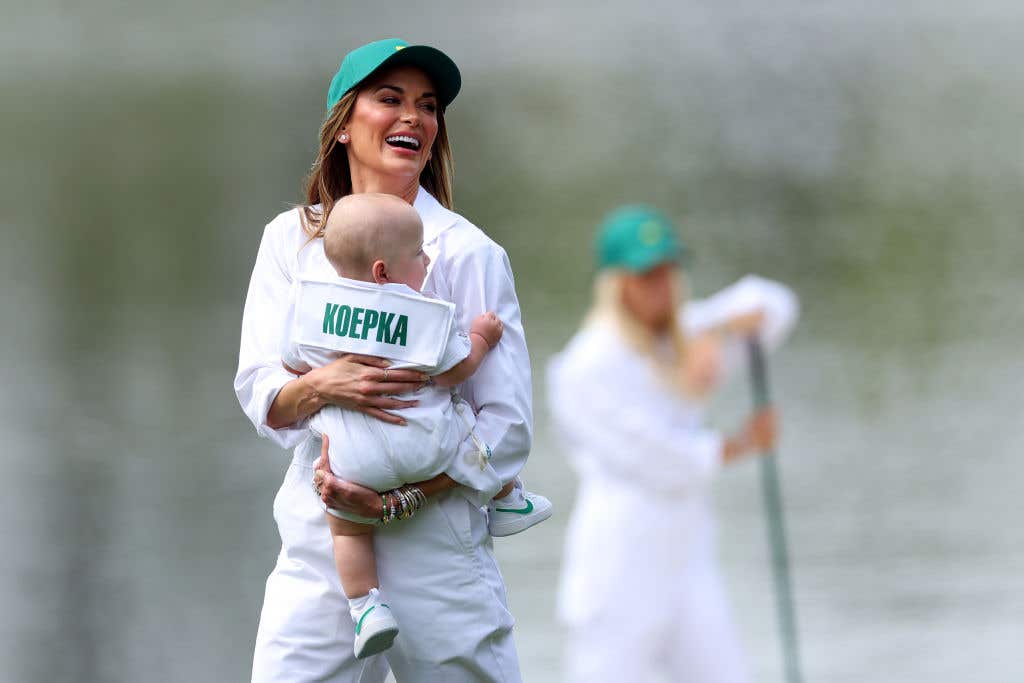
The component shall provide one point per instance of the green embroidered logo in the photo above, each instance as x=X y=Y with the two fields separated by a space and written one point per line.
x=525 y=510
x=357 y=323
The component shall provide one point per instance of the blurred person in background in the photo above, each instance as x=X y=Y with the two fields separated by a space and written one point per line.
x=385 y=133
x=640 y=589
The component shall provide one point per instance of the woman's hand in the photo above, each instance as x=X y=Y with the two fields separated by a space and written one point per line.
x=340 y=494
x=758 y=435
x=359 y=500
x=362 y=383
x=746 y=324
x=366 y=384
x=762 y=428
x=702 y=364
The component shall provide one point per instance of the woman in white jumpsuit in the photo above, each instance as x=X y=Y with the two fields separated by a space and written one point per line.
x=640 y=591
x=384 y=132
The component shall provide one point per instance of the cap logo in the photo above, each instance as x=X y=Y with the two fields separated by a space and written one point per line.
x=650 y=233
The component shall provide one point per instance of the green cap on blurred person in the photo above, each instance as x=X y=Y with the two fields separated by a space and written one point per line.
x=363 y=61
x=638 y=238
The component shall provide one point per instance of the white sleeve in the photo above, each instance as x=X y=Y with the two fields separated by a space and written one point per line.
x=613 y=430
x=290 y=355
x=456 y=349
x=500 y=390
x=260 y=374
x=751 y=293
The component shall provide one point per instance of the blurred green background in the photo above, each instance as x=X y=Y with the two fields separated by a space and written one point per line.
x=869 y=154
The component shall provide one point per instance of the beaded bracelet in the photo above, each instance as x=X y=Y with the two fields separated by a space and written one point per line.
x=390 y=513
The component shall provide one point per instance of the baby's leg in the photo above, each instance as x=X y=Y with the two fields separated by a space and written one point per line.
x=354 y=556
x=506 y=489
x=357 y=567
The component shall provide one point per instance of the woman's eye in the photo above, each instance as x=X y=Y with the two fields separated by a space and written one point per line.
x=429 y=106
x=389 y=100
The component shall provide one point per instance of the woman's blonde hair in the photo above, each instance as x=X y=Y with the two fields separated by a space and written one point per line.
x=330 y=178
x=609 y=307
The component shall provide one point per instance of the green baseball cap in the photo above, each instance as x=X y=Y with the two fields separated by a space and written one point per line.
x=363 y=61
x=637 y=237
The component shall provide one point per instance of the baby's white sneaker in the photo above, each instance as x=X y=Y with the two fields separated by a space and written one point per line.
x=517 y=511
x=376 y=627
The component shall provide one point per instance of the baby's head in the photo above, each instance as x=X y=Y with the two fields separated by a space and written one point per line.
x=376 y=238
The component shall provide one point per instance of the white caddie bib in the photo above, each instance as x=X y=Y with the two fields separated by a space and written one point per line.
x=358 y=317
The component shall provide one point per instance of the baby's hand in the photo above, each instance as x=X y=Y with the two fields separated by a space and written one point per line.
x=488 y=325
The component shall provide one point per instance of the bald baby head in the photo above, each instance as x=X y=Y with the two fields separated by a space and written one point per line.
x=376 y=238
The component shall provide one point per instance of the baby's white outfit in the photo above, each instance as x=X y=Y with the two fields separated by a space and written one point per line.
x=328 y=318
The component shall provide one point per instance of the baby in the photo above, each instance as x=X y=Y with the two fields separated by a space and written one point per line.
x=375 y=244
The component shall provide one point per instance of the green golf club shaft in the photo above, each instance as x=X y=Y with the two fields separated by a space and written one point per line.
x=772 y=492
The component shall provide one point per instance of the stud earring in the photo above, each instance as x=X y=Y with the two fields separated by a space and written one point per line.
x=344 y=138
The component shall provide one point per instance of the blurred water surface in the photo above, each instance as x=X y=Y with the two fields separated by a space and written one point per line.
x=869 y=154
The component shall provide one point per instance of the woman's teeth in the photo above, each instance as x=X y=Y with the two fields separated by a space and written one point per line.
x=403 y=141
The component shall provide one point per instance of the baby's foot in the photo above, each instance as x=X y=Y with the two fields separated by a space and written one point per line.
x=517 y=511
x=376 y=627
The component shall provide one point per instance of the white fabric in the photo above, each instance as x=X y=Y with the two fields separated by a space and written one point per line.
x=400 y=323
x=363 y=449
x=664 y=615
x=629 y=427
x=440 y=577
x=750 y=293
x=467 y=268
x=438 y=566
x=642 y=518
x=384 y=456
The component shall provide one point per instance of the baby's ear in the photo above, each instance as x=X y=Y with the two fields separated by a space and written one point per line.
x=379 y=271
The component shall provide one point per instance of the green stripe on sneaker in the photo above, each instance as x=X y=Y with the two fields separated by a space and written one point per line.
x=359 y=625
x=522 y=511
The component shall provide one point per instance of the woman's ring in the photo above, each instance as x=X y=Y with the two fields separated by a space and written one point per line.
x=385 y=374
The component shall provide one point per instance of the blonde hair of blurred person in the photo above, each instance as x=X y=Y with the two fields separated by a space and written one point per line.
x=613 y=301
x=689 y=365
x=645 y=361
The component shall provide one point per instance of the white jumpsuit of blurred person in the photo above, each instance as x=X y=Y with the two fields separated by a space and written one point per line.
x=640 y=591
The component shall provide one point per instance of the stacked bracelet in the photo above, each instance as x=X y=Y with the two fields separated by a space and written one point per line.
x=401 y=503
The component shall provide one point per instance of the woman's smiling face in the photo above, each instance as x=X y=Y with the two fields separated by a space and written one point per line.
x=393 y=125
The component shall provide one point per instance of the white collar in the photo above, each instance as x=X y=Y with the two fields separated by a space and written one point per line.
x=389 y=286
x=398 y=287
x=436 y=218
